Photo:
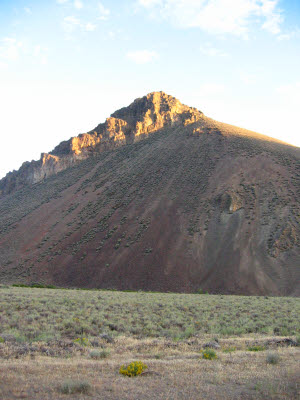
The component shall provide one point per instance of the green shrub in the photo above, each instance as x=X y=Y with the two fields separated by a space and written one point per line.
x=19 y=285
x=133 y=369
x=256 y=348
x=41 y=286
x=71 y=387
x=209 y=354
x=272 y=358
x=1 y=340
x=34 y=285
x=229 y=349
x=97 y=355
x=83 y=341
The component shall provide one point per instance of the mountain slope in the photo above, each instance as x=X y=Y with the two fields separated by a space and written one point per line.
x=159 y=197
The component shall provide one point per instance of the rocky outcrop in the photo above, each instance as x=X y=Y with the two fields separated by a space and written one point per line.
x=285 y=239
x=229 y=201
x=127 y=125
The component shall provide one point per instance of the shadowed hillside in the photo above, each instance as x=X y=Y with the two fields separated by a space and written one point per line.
x=158 y=197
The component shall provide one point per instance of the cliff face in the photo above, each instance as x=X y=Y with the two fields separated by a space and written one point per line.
x=127 y=125
x=159 y=197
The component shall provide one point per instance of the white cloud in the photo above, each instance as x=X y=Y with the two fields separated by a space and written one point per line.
x=70 y=23
x=273 y=15
x=248 y=78
x=273 y=23
x=40 y=53
x=218 y=16
x=285 y=36
x=28 y=10
x=104 y=12
x=149 y=3
x=78 y=4
x=289 y=35
x=10 y=49
x=209 y=50
x=89 y=27
x=142 y=56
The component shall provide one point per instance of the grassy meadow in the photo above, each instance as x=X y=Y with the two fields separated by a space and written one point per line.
x=33 y=314
x=65 y=343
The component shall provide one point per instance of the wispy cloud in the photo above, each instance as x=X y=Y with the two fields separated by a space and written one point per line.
x=70 y=23
x=40 y=53
x=149 y=3
x=218 y=16
x=83 y=21
x=78 y=4
x=89 y=27
x=289 y=35
x=209 y=50
x=248 y=78
x=103 y=12
x=10 y=49
x=28 y=10
x=142 y=56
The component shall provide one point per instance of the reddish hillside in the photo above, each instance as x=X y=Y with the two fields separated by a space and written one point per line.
x=159 y=197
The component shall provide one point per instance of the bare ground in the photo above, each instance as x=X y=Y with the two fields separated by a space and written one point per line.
x=175 y=371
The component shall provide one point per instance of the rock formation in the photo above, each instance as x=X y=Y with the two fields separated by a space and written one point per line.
x=128 y=125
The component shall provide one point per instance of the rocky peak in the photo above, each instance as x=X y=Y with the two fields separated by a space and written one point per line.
x=145 y=115
x=156 y=110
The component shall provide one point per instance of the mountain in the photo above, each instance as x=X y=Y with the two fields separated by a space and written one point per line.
x=159 y=197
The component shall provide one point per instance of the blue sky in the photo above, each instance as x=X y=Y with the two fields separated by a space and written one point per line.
x=66 y=65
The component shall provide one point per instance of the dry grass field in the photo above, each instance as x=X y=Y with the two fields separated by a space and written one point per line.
x=70 y=344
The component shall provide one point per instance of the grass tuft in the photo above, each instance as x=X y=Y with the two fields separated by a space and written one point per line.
x=256 y=348
x=98 y=355
x=229 y=349
x=72 y=387
x=272 y=358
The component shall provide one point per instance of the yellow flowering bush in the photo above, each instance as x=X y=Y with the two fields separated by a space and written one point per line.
x=133 y=369
x=209 y=354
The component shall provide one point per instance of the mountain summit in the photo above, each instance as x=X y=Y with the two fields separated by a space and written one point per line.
x=158 y=197
x=128 y=125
